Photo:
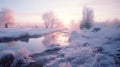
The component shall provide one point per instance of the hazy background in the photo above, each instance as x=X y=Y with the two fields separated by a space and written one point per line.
x=67 y=10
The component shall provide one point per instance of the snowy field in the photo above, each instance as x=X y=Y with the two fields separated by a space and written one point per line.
x=16 y=32
x=7 y=34
x=96 y=47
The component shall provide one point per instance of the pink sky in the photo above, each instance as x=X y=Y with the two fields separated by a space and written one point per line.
x=66 y=10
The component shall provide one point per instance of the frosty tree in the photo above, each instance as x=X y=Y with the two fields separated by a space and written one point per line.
x=6 y=17
x=50 y=20
x=87 y=18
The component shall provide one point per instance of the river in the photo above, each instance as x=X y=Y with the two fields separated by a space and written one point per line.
x=34 y=45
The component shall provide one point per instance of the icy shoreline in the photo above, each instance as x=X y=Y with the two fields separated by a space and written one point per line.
x=87 y=48
x=18 y=33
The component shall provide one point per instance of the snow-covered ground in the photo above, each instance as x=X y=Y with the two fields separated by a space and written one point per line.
x=96 y=47
x=16 y=32
x=89 y=48
x=11 y=34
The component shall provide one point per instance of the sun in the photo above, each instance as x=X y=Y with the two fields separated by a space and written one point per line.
x=65 y=20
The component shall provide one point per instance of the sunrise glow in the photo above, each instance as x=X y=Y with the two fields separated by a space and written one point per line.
x=30 y=19
x=59 y=33
x=66 y=10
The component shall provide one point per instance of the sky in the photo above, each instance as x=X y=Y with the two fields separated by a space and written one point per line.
x=66 y=10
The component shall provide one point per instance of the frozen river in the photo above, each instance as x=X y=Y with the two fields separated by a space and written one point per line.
x=33 y=45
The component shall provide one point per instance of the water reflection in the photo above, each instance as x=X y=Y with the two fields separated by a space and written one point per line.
x=25 y=40
x=10 y=44
x=57 y=38
x=62 y=39
x=36 y=45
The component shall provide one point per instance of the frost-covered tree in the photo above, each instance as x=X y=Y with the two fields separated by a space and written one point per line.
x=50 y=20
x=87 y=19
x=6 y=17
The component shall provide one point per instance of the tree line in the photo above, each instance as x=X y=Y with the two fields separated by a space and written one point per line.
x=49 y=18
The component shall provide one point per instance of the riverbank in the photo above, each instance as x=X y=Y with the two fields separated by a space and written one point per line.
x=14 y=34
x=102 y=47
